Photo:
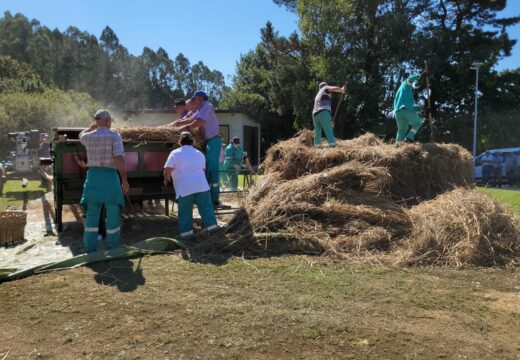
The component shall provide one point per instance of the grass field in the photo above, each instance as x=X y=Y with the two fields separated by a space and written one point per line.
x=511 y=198
x=14 y=194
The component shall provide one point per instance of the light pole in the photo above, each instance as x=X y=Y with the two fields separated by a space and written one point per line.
x=476 y=66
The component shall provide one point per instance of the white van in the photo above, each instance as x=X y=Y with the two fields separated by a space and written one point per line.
x=477 y=164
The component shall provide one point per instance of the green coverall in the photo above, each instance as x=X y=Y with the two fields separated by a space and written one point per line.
x=232 y=165
x=406 y=112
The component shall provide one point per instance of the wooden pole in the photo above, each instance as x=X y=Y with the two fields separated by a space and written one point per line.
x=337 y=106
x=430 y=118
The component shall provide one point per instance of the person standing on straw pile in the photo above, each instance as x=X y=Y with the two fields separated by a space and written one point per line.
x=321 y=113
x=206 y=118
x=233 y=162
x=105 y=154
x=186 y=166
x=406 y=112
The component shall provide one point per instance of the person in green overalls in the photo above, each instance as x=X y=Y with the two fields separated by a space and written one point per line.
x=406 y=112
x=233 y=162
x=103 y=186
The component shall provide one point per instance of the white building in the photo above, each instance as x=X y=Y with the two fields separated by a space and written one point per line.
x=231 y=124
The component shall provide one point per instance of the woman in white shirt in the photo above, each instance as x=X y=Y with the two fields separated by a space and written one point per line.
x=186 y=167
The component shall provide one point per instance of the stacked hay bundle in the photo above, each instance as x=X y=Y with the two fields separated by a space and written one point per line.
x=418 y=171
x=356 y=199
x=162 y=134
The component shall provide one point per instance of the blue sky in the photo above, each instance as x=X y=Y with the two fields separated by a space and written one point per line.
x=214 y=31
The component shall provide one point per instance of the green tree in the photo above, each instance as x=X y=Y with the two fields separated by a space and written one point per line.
x=372 y=45
x=16 y=76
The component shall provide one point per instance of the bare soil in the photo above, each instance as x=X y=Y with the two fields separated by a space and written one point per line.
x=164 y=307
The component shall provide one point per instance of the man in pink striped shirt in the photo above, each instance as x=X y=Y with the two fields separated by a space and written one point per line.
x=206 y=118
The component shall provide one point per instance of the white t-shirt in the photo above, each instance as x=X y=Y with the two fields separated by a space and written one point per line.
x=188 y=175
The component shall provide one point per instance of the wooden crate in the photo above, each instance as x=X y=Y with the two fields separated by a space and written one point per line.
x=12 y=226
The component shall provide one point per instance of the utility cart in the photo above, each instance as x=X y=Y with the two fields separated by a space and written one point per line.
x=144 y=166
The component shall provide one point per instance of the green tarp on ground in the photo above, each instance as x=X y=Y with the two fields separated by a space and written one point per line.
x=154 y=245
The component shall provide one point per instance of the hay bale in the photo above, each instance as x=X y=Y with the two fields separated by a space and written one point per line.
x=418 y=172
x=162 y=134
x=12 y=226
x=461 y=227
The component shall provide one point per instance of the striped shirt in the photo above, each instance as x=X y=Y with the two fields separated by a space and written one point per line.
x=207 y=114
x=102 y=146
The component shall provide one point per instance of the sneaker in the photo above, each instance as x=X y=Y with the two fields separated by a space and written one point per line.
x=409 y=141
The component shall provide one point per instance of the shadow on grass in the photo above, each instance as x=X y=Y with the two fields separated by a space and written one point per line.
x=119 y=273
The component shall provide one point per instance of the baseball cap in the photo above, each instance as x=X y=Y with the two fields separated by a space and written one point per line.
x=201 y=94
x=186 y=135
x=102 y=115
x=322 y=84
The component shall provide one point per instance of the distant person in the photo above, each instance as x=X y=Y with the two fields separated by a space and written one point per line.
x=180 y=108
x=246 y=164
x=44 y=149
x=406 y=111
x=233 y=162
x=487 y=167
x=191 y=107
x=44 y=152
x=206 y=118
x=105 y=154
x=221 y=159
x=186 y=167
x=321 y=113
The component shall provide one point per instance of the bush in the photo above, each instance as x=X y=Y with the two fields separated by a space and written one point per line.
x=43 y=111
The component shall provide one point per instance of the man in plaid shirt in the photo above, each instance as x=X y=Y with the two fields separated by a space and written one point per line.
x=106 y=157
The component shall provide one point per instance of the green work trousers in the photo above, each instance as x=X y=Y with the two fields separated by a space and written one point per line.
x=323 y=121
x=212 y=152
x=113 y=225
x=102 y=187
x=405 y=117
x=231 y=178
x=205 y=207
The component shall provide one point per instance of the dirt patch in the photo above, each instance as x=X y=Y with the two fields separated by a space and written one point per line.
x=289 y=307
x=503 y=300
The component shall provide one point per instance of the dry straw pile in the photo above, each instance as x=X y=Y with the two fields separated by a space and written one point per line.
x=161 y=134
x=365 y=197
